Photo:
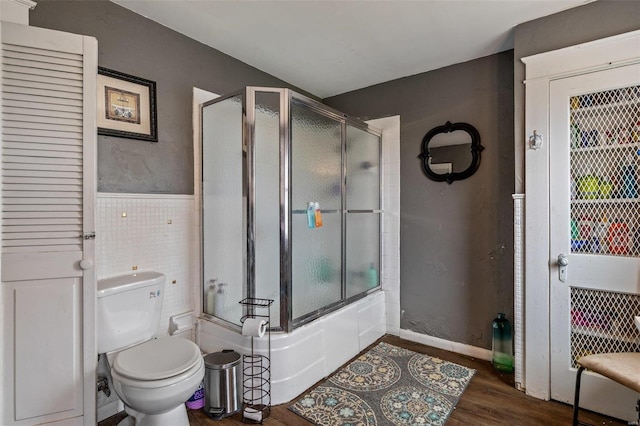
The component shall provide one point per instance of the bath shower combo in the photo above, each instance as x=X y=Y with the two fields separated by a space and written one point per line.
x=267 y=155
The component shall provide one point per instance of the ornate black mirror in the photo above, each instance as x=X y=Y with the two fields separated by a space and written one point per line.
x=451 y=152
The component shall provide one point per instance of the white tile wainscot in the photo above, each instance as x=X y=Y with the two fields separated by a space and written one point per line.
x=157 y=233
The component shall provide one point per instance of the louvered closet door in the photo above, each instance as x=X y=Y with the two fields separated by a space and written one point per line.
x=48 y=194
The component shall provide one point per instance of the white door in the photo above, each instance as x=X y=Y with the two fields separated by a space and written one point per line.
x=594 y=145
x=48 y=198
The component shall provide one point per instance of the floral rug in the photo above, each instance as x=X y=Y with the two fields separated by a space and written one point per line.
x=387 y=385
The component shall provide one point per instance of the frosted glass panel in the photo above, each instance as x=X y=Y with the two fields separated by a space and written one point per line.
x=316 y=259
x=223 y=208
x=363 y=170
x=316 y=155
x=316 y=173
x=267 y=200
x=363 y=252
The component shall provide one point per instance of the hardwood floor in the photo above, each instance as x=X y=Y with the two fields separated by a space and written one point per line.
x=490 y=399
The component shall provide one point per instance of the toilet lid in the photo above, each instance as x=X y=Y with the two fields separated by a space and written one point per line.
x=157 y=359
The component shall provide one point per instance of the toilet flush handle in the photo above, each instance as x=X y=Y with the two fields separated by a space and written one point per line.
x=86 y=264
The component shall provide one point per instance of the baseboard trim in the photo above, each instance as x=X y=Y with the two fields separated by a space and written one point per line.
x=109 y=409
x=447 y=345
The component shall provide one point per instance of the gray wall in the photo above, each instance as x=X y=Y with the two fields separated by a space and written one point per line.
x=590 y=22
x=456 y=241
x=135 y=45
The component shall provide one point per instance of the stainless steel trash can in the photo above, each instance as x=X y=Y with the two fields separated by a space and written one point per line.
x=222 y=383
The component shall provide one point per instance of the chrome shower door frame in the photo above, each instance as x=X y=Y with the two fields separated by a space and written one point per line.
x=289 y=323
x=287 y=98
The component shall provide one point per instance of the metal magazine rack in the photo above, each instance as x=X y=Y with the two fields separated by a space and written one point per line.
x=256 y=368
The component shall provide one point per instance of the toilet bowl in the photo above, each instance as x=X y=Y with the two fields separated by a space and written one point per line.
x=155 y=378
x=152 y=377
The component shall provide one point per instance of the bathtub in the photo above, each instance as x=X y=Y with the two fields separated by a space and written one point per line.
x=311 y=352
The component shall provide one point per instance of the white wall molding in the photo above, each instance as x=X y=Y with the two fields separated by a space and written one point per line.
x=607 y=52
x=24 y=3
x=447 y=345
x=16 y=11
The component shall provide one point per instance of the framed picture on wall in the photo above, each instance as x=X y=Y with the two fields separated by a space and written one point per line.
x=126 y=106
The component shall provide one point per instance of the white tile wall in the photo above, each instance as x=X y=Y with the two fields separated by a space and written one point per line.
x=391 y=222
x=158 y=233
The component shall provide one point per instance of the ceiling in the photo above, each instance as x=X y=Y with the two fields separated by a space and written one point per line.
x=328 y=47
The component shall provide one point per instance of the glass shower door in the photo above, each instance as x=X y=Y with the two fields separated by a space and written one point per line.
x=363 y=211
x=265 y=197
x=224 y=206
x=316 y=177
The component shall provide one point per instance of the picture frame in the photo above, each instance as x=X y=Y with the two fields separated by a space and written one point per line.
x=126 y=106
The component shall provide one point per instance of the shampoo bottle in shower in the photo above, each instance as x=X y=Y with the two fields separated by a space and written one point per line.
x=318 y=215
x=211 y=295
x=372 y=275
x=219 y=300
x=311 y=214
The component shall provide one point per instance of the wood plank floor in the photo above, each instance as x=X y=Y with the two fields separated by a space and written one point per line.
x=490 y=399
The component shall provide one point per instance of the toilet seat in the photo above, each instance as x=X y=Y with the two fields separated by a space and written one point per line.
x=196 y=370
x=158 y=359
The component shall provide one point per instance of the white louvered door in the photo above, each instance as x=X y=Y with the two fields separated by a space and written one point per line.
x=48 y=198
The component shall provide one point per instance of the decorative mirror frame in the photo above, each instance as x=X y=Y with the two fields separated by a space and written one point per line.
x=476 y=148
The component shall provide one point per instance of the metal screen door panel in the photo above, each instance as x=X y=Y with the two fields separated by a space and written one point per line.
x=595 y=229
x=604 y=155
x=602 y=322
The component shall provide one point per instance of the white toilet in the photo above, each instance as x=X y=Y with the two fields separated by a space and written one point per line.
x=153 y=378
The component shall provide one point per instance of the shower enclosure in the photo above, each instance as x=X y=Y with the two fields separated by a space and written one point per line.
x=268 y=155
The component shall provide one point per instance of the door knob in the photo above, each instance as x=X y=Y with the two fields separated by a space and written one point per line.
x=563 y=261
x=86 y=264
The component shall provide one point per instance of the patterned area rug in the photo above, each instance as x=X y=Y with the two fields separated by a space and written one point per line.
x=387 y=385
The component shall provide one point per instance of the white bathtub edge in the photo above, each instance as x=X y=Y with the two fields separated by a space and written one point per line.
x=299 y=361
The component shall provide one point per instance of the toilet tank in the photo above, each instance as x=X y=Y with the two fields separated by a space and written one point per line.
x=129 y=309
